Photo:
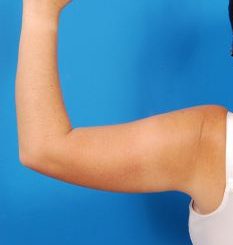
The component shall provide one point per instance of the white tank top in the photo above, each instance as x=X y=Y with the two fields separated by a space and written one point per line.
x=216 y=228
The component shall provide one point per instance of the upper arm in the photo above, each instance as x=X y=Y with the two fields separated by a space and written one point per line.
x=156 y=153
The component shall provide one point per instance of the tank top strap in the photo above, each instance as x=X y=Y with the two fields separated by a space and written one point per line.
x=229 y=150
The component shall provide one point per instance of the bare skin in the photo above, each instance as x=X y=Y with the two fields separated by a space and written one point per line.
x=210 y=180
x=181 y=150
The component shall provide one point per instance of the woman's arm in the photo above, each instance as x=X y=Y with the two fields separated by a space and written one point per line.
x=157 y=153
x=40 y=109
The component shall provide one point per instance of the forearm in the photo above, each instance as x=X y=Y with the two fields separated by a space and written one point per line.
x=40 y=109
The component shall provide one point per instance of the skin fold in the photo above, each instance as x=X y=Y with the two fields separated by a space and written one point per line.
x=182 y=150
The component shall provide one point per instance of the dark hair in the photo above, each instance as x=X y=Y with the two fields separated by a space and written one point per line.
x=231 y=20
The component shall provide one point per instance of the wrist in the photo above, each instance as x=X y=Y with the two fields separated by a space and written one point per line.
x=33 y=9
x=40 y=17
x=51 y=7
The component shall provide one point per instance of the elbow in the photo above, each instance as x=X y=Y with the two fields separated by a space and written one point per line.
x=26 y=159
x=31 y=158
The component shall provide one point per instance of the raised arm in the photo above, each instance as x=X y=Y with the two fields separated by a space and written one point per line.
x=157 y=153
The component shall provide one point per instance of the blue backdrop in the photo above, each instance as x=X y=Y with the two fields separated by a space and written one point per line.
x=119 y=61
